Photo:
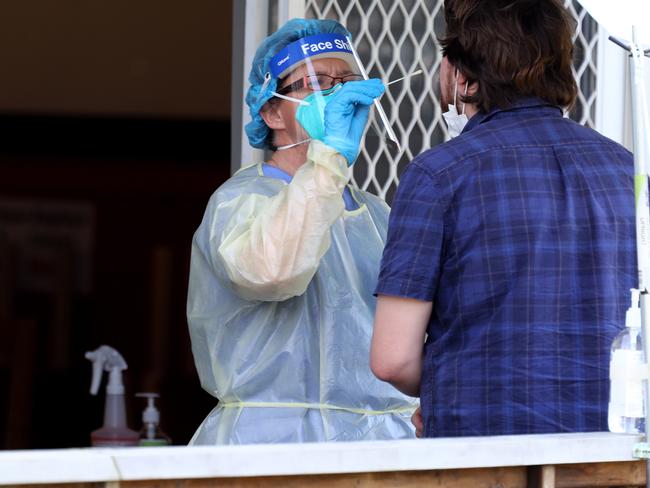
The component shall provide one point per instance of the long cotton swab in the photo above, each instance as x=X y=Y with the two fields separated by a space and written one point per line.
x=404 y=77
x=378 y=107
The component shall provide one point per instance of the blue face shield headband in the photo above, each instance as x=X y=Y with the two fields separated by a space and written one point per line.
x=314 y=47
x=311 y=47
x=311 y=109
x=303 y=51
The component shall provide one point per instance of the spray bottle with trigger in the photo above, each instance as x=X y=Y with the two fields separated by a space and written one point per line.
x=114 y=432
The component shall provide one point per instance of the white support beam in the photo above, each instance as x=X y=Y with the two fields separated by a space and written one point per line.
x=289 y=9
x=100 y=465
x=611 y=86
x=250 y=27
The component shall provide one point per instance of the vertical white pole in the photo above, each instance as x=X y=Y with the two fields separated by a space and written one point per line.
x=641 y=126
x=289 y=9
x=250 y=21
x=611 y=84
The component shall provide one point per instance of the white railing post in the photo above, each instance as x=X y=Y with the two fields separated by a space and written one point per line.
x=250 y=27
x=289 y=9
x=611 y=87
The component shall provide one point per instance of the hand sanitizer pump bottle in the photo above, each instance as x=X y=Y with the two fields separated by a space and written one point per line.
x=627 y=371
x=150 y=434
x=114 y=432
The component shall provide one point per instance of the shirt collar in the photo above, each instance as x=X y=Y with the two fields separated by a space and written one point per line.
x=522 y=103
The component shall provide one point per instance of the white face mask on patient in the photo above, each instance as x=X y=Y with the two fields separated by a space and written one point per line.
x=455 y=122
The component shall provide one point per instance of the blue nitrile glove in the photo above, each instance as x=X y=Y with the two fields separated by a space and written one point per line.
x=346 y=115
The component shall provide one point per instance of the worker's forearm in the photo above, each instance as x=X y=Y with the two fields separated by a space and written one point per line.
x=274 y=246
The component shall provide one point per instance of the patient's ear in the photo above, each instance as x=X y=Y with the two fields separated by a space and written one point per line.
x=272 y=115
x=471 y=88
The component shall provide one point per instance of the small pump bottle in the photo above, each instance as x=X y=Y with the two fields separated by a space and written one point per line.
x=627 y=371
x=151 y=434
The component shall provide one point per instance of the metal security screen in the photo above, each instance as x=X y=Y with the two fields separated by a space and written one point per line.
x=584 y=65
x=398 y=37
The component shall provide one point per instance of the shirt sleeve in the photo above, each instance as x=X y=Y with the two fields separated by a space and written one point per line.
x=411 y=261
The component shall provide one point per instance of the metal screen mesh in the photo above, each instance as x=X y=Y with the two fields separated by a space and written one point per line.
x=397 y=37
x=585 y=41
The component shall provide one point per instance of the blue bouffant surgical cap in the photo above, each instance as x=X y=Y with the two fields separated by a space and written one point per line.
x=260 y=92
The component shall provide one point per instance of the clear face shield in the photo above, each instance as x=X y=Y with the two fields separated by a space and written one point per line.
x=312 y=69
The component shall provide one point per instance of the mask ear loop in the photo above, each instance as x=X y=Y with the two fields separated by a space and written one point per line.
x=267 y=80
x=465 y=94
x=289 y=146
x=456 y=90
x=291 y=99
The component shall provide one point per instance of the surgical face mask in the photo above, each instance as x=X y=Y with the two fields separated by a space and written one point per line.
x=312 y=117
x=311 y=114
x=455 y=122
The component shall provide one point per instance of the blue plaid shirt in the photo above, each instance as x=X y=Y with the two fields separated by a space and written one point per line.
x=521 y=233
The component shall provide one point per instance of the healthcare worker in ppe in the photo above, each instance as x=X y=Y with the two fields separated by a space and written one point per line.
x=281 y=303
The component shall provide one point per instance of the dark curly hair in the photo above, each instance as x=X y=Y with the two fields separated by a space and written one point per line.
x=513 y=49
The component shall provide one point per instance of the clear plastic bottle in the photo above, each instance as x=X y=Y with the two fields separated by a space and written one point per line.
x=151 y=434
x=114 y=432
x=626 y=371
